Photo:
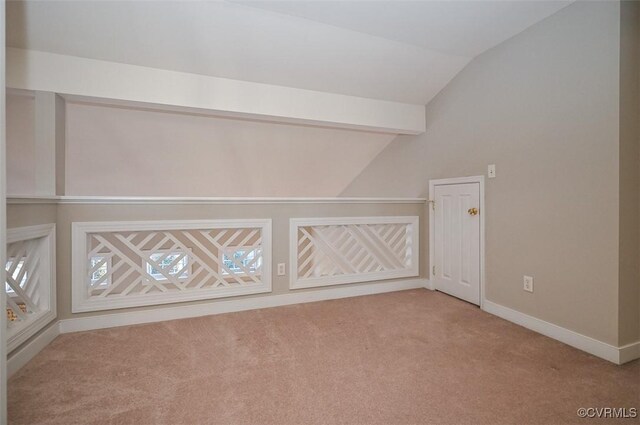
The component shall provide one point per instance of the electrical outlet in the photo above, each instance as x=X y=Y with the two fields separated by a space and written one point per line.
x=281 y=269
x=491 y=171
x=528 y=283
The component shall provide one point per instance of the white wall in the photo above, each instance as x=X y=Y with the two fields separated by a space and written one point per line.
x=543 y=107
x=117 y=151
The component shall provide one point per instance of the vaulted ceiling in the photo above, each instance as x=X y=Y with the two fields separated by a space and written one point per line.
x=404 y=51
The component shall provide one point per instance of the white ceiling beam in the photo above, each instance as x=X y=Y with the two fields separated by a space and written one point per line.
x=75 y=76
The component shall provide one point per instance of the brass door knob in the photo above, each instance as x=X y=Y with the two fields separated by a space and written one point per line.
x=473 y=211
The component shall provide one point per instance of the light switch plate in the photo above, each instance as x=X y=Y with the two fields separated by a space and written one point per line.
x=282 y=269
x=491 y=171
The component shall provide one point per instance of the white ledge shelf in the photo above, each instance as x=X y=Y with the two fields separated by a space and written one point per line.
x=30 y=199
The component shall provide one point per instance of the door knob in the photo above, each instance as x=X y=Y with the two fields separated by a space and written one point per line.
x=473 y=211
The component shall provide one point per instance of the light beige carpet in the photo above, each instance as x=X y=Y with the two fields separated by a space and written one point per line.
x=411 y=357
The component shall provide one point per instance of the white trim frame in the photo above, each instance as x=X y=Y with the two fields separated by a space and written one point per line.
x=48 y=267
x=3 y=214
x=451 y=181
x=79 y=231
x=295 y=223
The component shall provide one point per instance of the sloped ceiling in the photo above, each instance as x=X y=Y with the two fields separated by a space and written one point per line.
x=462 y=28
x=390 y=50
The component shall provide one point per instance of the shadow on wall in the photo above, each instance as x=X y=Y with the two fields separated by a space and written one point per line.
x=172 y=154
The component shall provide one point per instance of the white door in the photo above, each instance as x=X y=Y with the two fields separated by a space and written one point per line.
x=456 y=268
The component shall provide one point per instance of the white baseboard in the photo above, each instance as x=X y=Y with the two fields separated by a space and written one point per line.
x=629 y=352
x=617 y=355
x=21 y=356
x=429 y=285
x=182 y=312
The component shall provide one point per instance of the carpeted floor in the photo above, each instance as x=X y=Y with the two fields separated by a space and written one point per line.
x=411 y=357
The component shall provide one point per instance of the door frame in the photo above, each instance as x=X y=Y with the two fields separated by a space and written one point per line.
x=3 y=220
x=451 y=181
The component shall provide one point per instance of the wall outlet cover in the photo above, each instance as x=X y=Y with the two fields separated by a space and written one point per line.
x=528 y=283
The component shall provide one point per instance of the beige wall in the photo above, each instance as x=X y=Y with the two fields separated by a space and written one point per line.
x=22 y=215
x=117 y=151
x=31 y=215
x=20 y=144
x=173 y=154
x=629 y=296
x=543 y=107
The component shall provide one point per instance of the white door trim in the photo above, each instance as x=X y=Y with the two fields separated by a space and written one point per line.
x=457 y=180
x=3 y=221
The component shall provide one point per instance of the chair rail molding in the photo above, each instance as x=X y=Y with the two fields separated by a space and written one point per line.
x=176 y=200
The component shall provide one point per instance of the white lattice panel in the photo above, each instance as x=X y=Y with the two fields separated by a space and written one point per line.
x=30 y=281
x=124 y=264
x=330 y=251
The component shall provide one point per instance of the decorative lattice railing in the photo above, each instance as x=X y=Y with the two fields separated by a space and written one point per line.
x=126 y=264
x=330 y=251
x=30 y=281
